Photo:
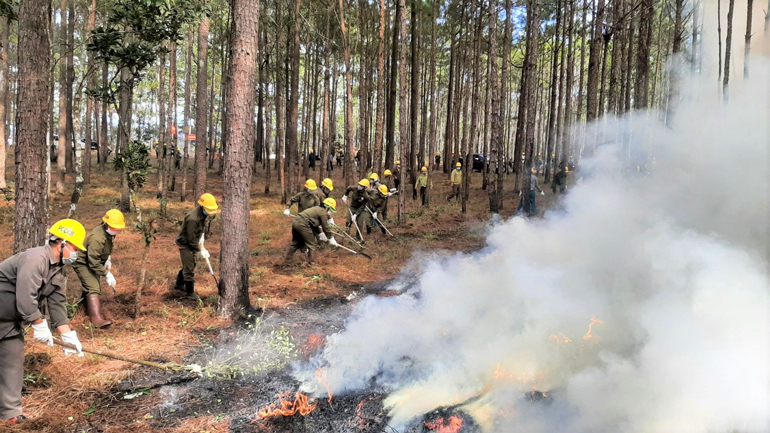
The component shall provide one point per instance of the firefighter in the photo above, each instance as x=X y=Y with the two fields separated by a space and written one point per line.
x=327 y=186
x=26 y=280
x=377 y=203
x=422 y=184
x=387 y=178
x=305 y=199
x=455 y=180
x=397 y=174
x=309 y=227
x=438 y=160
x=191 y=242
x=97 y=262
x=374 y=181
x=358 y=199
x=534 y=185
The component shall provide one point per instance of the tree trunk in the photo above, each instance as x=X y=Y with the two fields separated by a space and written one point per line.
x=236 y=184
x=533 y=28
x=103 y=133
x=432 y=145
x=641 y=89
x=403 y=125
x=326 y=138
x=414 y=112
x=502 y=156
x=201 y=110
x=747 y=48
x=728 y=51
x=378 y=133
x=719 y=36
x=89 y=103
x=124 y=131
x=470 y=144
x=614 y=89
x=348 y=100
x=496 y=132
x=4 y=69
x=449 y=128
x=594 y=64
x=555 y=66
x=292 y=146
x=33 y=102
x=391 y=121
x=62 y=146
x=280 y=104
x=676 y=48
x=171 y=129
x=187 y=100
x=71 y=143
x=162 y=128
x=566 y=130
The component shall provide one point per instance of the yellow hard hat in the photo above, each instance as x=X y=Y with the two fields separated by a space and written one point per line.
x=387 y=173
x=383 y=190
x=114 y=218
x=70 y=231
x=374 y=176
x=398 y=162
x=438 y=153
x=566 y=169
x=328 y=183
x=208 y=202
x=364 y=182
x=458 y=165
x=424 y=169
x=331 y=204
x=310 y=184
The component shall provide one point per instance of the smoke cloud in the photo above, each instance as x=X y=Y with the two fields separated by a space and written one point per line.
x=666 y=265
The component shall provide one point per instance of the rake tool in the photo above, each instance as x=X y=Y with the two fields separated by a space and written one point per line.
x=339 y=230
x=379 y=222
x=355 y=252
x=194 y=368
x=353 y=218
x=211 y=271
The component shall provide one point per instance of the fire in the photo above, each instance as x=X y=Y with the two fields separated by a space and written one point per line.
x=314 y=342
x=453 y=426
x=594 y=321
x=287 y=407
x=320 y=376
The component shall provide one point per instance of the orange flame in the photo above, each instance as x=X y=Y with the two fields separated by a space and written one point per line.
x=314 y=342
x=320 y=376
x=453 y=426
x=594 y=320
x=286 y=407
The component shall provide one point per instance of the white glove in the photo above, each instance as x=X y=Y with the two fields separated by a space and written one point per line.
x=72 y=338
x=354 y=217
x=393 y=190
x=374 y=215
x=331 y=221
x=108 y=263
x=542 y=192
x=322 y=237
x=287 y=212
x=333 y=242
x=43 y=333
x=345 y=198
x=204 y=253
x=200 y=242
x=111 y=280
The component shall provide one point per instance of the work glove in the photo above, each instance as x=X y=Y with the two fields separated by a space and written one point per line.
x=72 y=338
x=374 y=215
x=287 y=212
x=333 y=242
x=108 y=263
x=345 y=198
x=200 y=242
x=322 y=237
x=393 y=190
x=542 y=192
x=354 y=217
x=111 y=280
x=43 y=333
x=204 y=254
x=331 y=221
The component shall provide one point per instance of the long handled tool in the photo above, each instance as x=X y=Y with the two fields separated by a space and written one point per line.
x=355 y=252
x=211 y=271
x=340 y=230
x=379 y=222
x=353 y=218
x=195 y=368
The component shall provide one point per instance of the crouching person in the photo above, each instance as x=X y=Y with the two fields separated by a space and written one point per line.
x=27 y=279
x=309 y=223
x=96 y=263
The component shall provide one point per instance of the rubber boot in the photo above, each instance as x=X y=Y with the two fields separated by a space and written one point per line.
x=179 y=282
x=288 y=256
x=189 y=288
x=94 y=307
x=311 y=255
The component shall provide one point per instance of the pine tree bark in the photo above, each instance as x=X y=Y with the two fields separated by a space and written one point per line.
x=201 y=110
x=747 y=48
x=326 y=138
x=403 y=121
x=236 y=183
x=163 y=149
x=171 y=130
x=71 y=141
x=62 y=146
x=33 y=102
x=676 y=48
x=348 y=100
x=552 y=110
x=414 y=111
x=292 y=146
x=86 y=164
x=496 y=127
x=641 y=89
x=565 y=136
x=103 y=133
x=502 y=154
x=378 y=133
x=449 y=128
x=470 y=143
x=728 y=51
x=391 y=120
x=594 y=64
x=187 y=100
x=280 y=104
x=533 y=29
x=4 y=79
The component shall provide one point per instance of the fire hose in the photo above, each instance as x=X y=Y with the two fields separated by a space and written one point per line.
x=379 y=222
x=195 y=368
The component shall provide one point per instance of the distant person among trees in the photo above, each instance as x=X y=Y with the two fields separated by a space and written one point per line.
x=96 y=263
x=27 y=279
x=438 y=160
x=560 y=180
x=455 y=181
x=311 y=160
x=191 y=243
x=422 y=185
x=397 y=174
x=534 y=185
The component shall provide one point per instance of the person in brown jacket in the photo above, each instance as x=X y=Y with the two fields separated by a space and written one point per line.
x=191 y=242
x=97 y=262
x=26 y=280
x=309 y=227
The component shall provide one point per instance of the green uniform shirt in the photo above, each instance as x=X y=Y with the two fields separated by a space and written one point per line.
x=356 y=198
x=377 y=203
x=305 y=200
x=320 y=195
x=316 y=218
x=26 y=279
x=457 y=177
x=98 y=249
x=422 y=181
x=192 y=229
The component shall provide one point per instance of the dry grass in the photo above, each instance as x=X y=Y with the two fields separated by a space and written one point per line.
x=167 y=329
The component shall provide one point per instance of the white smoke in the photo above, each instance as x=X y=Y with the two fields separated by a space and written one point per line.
x=672 y=264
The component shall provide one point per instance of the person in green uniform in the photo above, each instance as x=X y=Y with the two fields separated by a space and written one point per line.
x=455 y=181
x=191 y=242
x=377 y=203
x=28 y=279
x=422 y=184
x=98 y=263
x=356 y=202
x=387 y=178
x=309 y=227
x=327 y=186
x=304 y=199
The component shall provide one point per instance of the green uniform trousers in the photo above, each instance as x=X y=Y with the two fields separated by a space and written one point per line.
x=302 y=236
x=188 y=263
x=11 y=375
x=88 y=279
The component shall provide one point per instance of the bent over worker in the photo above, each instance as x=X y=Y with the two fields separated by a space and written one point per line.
x=27 y=279
x=191 y=242
x=378 y=206
x=309 y=224
x=96 y=263
x=356 y=202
